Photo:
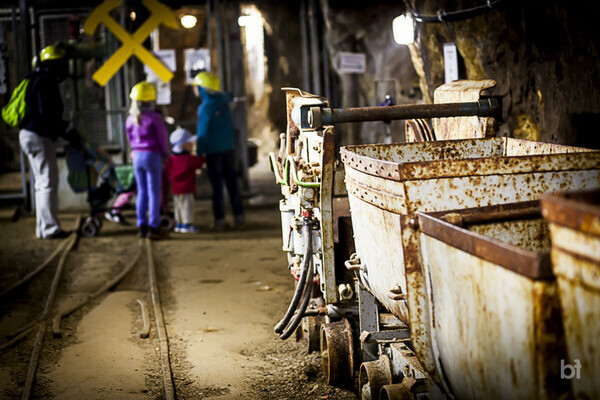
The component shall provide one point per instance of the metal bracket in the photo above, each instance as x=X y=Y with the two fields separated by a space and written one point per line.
x=368 y=321
x=383 y=337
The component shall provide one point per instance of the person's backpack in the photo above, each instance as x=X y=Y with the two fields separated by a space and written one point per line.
x=14 y=112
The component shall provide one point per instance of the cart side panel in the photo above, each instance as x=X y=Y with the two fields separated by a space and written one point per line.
x=478 y=191
x=576 y=263
x=487 y=325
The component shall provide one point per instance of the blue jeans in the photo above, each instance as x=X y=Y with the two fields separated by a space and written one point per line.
x=221 y=169
x=147 y=167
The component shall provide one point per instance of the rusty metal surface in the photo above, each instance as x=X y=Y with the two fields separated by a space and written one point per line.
x=371 y=237
x=471 y=157
x=477 y=191
x=497 y=334
x=382 y=188
x=579 y=211
x=337 y=353
x=487 y=244
x=341 y=209
x=404 y=362
x=373 y=375
x=328 y=217
x=417 y=299
x=462 y=127
x=576 y=263
x=339 y=174
x=407 y=389
x=293 y=131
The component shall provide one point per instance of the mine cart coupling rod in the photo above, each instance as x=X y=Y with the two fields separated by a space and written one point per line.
x=318 y=116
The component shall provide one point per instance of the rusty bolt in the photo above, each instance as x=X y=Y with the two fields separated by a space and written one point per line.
x=413 y=223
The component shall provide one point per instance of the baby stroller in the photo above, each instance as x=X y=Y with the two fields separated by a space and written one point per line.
x=91 y=171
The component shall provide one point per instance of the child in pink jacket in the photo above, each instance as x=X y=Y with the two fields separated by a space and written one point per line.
x=181 y=168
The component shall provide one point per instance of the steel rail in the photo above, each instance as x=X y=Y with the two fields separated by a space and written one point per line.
x=42 y=322
x=56 y=331
x=39 y=337
x=36 y=270
x=163 y=339
x=24 y=330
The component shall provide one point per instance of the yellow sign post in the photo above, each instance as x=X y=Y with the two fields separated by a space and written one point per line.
x=131 y=43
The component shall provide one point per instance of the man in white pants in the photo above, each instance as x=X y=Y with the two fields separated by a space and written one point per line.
x=39 y=129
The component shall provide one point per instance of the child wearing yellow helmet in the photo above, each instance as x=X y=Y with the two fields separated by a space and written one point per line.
x=149 y=142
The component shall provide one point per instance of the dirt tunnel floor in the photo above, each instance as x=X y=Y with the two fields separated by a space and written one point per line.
x=222 y=294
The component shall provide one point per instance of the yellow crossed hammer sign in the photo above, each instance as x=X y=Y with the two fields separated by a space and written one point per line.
x=131 y=44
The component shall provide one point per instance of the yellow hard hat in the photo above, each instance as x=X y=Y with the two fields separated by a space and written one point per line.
x=208 y=80
x=143 y=91
x=51 y=53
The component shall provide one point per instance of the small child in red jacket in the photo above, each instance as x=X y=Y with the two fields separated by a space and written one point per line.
x=181 y=167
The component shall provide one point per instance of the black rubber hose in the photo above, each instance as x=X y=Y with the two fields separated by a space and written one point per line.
x=299 y=314
x=306 y=265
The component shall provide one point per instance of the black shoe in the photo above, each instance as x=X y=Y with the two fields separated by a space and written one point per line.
x=157 y=233
x=143 y=231
x=59 y=234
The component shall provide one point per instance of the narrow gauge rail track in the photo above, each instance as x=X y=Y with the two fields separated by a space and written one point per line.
x=52 y=317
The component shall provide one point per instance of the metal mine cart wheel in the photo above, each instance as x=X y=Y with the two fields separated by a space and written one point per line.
x=311 y=327
x=337 y=353
x=373 y=376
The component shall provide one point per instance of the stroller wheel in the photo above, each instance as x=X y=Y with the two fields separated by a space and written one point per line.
x=96 y=221
x=89 y=228
x=167 y=222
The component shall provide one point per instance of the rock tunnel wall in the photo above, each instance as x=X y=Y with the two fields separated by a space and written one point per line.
x=543 y=54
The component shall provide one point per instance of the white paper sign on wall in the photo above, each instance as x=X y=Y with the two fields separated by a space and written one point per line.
x=352 y=63
x=196 y=60
x=163 y=90
x=450 y=62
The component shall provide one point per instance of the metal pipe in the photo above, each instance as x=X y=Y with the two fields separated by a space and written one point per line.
x=17 y=50
x=226 y=35
x=314 y=46
x=325 y=67
x=306 y=266
x=26 y=30
x=304 y=45
x=219 y=43
x=318 y=116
